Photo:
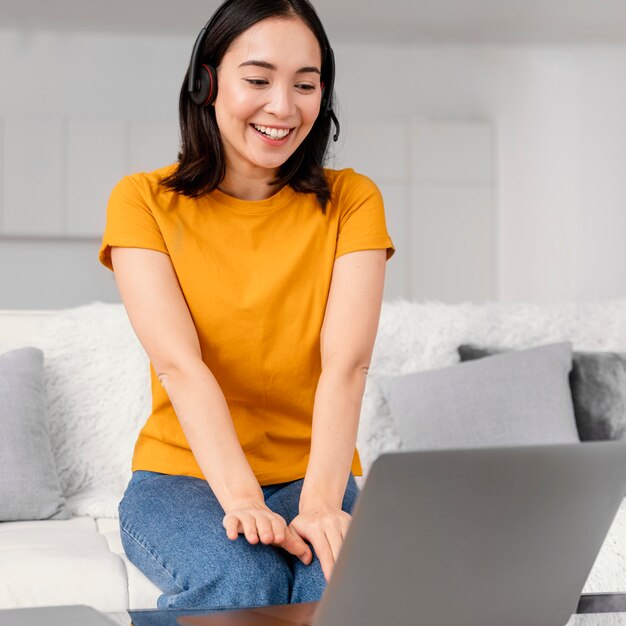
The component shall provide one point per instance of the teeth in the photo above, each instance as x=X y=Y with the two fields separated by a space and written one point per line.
x=274 y=133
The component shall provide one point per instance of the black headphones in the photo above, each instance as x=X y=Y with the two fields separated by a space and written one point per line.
x=202 y=83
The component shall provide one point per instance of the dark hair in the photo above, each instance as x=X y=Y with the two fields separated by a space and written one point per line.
x=201 y=166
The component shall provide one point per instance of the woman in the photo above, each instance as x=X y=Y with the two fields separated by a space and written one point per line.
x=253 y=278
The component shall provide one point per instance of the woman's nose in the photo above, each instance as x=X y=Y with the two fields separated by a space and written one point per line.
x=281 y=102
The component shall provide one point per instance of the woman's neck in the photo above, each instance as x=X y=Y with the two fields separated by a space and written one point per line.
x=247 y=188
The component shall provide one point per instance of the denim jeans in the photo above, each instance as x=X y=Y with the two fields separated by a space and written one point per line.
x=171 y=530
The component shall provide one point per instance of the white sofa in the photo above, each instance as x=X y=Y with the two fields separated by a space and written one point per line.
x=98 y=397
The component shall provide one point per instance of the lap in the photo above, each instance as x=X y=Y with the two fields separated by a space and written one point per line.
x=172 y=530
x=180 y=519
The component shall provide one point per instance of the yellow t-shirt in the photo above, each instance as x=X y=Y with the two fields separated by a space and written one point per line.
x=256 y=277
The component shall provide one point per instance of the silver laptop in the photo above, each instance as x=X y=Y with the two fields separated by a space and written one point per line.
x=479 y=537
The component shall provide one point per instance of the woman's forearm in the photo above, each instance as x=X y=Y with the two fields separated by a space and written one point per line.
x=207 y=424
x=336 y=415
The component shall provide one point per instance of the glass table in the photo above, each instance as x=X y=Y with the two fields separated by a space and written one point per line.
x=602 y=609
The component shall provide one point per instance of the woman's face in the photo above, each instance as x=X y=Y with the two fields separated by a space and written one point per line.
x=269 y=77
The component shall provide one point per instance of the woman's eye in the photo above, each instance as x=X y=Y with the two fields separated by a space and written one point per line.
x=258 y=82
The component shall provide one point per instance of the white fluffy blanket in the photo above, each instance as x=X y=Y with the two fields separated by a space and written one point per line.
x=98 y=389
x=97 y=381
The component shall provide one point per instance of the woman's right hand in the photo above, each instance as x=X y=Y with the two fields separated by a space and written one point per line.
x=257 y=522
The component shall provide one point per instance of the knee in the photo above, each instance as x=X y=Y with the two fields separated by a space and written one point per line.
x=259 y=582
x=259 y=579
x=309 y=582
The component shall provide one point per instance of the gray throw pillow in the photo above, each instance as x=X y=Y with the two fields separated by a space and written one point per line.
x=598 y=385
x=29 y=485
x=517 y=398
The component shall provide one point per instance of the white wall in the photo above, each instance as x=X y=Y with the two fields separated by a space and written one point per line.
x=119 y=91
x=560 y=147
x=544 y=223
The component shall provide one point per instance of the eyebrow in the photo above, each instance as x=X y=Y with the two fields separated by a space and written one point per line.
x=270 y=66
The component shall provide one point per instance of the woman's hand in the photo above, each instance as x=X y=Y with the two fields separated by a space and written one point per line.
x=257 y=522
x=325 y=528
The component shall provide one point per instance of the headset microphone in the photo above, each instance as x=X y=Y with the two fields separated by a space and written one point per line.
x=202 y=81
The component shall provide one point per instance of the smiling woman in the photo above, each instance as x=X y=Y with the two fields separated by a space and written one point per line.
x=280 y=69
x=253 y=277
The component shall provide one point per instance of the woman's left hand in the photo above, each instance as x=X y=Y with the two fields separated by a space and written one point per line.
x=325 y=528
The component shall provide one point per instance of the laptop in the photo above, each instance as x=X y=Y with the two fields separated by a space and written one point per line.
x=479 y=537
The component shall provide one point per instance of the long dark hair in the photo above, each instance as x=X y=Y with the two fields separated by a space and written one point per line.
x=201 y=165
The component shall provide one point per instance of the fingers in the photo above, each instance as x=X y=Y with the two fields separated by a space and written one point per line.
x=240 y=522
x=335 y=541
x=294 y=544
x=232 y=525
x=279 y=528
x=249 y=527
x=268 y=527
x=256 y=525
x=264 y=529
x=324 y=553
x=325 y=535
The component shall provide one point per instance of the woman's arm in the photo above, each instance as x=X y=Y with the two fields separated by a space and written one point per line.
x=161 y=320
x=347 y=342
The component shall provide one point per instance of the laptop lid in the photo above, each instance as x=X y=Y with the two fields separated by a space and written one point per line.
x=479 y=537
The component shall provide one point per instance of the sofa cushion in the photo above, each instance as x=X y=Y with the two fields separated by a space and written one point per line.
x=517 y=398
x=598 y=387
x=142 y=592
x=52 y=562
x=29 y=484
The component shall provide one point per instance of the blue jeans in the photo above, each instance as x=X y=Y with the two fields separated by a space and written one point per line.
x=171 y=529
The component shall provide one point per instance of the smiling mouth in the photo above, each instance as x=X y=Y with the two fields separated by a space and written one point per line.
x=268 y=133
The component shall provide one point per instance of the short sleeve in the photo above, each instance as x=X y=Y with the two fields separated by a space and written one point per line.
x=362 y=223
x=129 y=222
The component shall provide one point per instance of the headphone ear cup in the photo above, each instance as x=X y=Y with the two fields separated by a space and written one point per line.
x=207 y=91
